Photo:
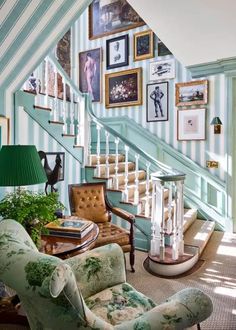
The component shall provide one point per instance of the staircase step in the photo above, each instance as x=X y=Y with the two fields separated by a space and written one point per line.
x=199 y=234
x=112 y=158
x=121 y=168
x=55 y=122
x=190 y=215
x=40 y=107
x=131 y=188
x=131 y=176
x=68 y=135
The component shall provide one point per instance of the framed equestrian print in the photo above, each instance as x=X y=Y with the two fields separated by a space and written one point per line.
x=157 y=101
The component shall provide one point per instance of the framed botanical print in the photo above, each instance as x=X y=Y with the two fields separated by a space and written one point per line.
x=4 y=131
x=143 y=45
x=191 y=93
x=162 y=70
x=90 y=73
x=117 y=52
x=191 y=124
x=124 y=88
x=111 y=16
x=157 y=101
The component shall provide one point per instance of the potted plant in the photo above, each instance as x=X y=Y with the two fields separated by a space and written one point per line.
x=33 y=210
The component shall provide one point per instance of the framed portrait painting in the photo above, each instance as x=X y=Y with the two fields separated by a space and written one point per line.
x=123 y=88
x=117 y=52
x=191 y=93
x=111 y=16
x=162 y=70
x=53 y=158
x=4 y=131
x=191 y=124
x=157 y=101
x=143 y=45
x=90 y=73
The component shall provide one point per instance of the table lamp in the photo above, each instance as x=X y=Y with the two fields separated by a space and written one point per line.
x=20 y=165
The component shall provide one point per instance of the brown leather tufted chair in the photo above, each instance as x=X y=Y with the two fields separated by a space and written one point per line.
x=89 y=201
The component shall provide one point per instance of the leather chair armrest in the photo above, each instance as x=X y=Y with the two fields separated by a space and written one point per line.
x=123 y=214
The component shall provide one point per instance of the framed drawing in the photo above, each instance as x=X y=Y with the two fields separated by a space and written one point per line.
x=157 y=101
x=4 y=131
x=117 y=52
x=143 y=45
x=191 y=93
x=162 y=50
x=90 y=73
x=123 y=88
x=191 y=124
x=54 y=158
x=162 y=70
x=111 y=16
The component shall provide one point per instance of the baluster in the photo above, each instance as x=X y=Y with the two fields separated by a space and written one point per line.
x=46 y=82
x=64 y=109
x=180 y=213
x=126 y=191
x=162 y=224
x=156 y=218
x=98 y=150
x=79 y=123
x=169 y=220
x=136 y=191
x=175 y=248
x=89 y=158
x=55 y=103
x=154 y=248
x=72 y=113
x=116 y=181
x=147 y=202
x=107 y=154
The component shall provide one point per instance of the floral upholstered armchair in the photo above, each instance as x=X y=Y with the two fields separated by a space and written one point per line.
x=88 y=291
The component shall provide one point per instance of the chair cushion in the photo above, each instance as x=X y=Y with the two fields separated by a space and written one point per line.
x=89 y=203
x=110 y=233
x=119 y=303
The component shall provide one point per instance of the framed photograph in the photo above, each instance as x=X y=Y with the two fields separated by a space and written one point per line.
x=90 y=73
x=111 y=16
x=143 y=45
x=53 y=158
x=4 y=131
x=162 y=50
x=191 y=93
x=124 y=88
x=157 y=101
x=191 y=124
x=117 y=52
x=162 y=70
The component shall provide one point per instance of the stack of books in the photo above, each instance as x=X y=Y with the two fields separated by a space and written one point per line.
x=75 y=227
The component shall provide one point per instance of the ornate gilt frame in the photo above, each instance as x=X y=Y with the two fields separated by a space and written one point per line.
x=151 y=40
x=178 y=102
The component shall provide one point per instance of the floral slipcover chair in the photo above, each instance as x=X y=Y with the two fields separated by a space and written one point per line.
x=88 y=291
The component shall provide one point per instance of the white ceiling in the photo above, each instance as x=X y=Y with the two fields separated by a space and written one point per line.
x=196 y=31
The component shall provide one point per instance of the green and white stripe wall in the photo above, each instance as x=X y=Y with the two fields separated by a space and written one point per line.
x=213 y=148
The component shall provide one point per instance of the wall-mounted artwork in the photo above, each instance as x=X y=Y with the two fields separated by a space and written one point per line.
x=117 y=52
x=191 y=124
x=162 y=50
x=157 y=101
x=55 y=158
x=123 y=88
x=162 y=70
x=191 y=93
x=4 y=131
x=111 y=16
x=143 y=45
x=90 y=73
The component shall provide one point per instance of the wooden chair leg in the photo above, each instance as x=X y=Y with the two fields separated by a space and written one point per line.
x=198 y=326
x=132 y=259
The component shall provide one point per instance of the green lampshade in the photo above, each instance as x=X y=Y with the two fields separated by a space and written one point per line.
x=20 y=165
x=216 y=121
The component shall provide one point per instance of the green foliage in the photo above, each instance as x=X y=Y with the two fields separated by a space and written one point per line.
x=33 y=210
x=93 y=266
x=37 y=271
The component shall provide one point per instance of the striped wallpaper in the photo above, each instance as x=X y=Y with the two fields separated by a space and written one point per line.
x=213 y=148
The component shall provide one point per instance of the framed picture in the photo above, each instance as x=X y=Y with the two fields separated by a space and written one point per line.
x=4 y=131
x=191 y=93
x=143 y=45
x=117 y=52
x=90 y=73
x=157 y=101
x=162 y=70
x=53 y=158
x=123 y=88
x=111 y=16
x=191 y=124
x=162 y=50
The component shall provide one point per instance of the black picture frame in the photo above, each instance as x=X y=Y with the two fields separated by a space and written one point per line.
x=51 y=158
x=116 y=58
x=157 y=107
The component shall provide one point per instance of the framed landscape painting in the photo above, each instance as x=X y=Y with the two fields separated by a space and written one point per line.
x=191 y=93
x=4 y=131
x=111 y=16
x=143 y=45
x=90 y=73
x=162 y=70
x=191 y=124
x=157 y=101
x=117 y=52
x=123 y=88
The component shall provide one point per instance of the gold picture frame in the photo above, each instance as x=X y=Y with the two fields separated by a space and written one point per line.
x=124 y=88
x=191 y=93
x=4 y=131
x=143 y=45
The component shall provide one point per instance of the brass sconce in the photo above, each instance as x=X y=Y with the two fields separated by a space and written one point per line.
x=217 y=125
